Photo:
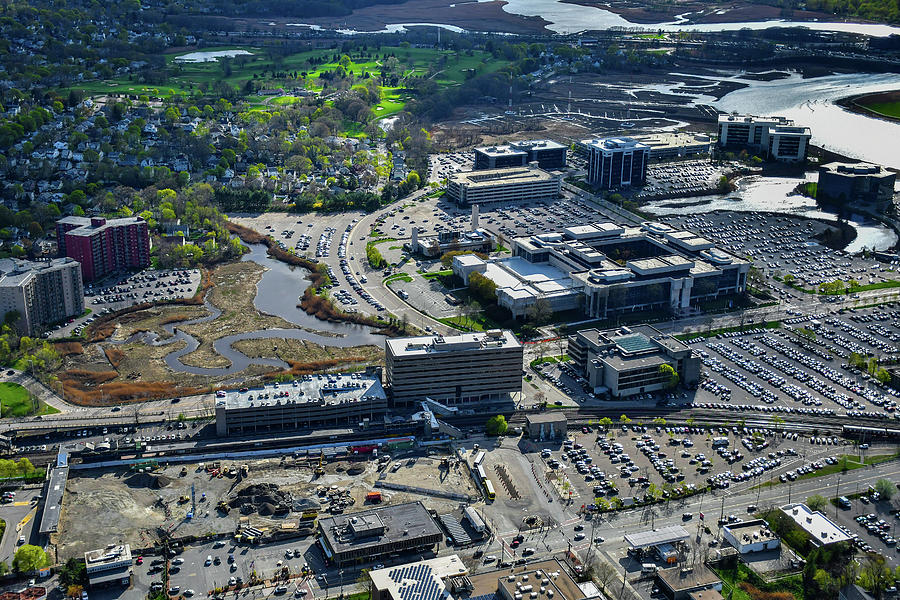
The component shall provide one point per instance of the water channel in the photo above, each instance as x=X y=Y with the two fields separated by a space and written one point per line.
x=277 y=293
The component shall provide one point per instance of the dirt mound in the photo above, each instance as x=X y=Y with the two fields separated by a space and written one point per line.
x=265 y=498
x=148 y=480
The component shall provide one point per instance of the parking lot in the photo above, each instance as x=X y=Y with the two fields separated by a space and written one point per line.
x=635 y=461
x=873 y=526
x=112 y=294
x=802 y=368
x=682 y=178
x=784 y=244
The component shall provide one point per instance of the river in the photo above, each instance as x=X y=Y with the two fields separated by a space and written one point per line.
x=571 y=18
x=277 y=293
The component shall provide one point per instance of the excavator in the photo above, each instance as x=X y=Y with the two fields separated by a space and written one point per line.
x=320 y=470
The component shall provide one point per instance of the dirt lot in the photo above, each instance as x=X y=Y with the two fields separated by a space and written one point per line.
x=123 y=506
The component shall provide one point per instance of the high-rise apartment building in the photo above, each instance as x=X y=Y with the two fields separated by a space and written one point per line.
x=41 y=293
x=104 y=246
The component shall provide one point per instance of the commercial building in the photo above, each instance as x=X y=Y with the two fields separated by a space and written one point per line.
x=423 y=580
x=514 y=184
x=446 y=578
x=604 y=269
x=42 y=293
x=111 y=565
x=549 y=425
x=776 y=138
x=476 y=240
x=470 y=368
x=628 y=361
x=751 y=536
x=370 y=535
x=669 y=146
x=643 y=540
x=822 y=530
x=616 y=162
x=546 y=153
x=104 y=246
x=314 y=401
x=683 y=583
x=520 y=283
x=852 y=183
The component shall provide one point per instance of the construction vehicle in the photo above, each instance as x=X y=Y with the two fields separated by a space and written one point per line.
x=183 y=500
x=223 y=507
x=184 y=471
x=245 y=470
x=373 y=497
x=320 y=470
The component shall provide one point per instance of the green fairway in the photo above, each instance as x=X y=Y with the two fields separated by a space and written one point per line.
x=15 y=401
x=448 y=68
x=888 y=109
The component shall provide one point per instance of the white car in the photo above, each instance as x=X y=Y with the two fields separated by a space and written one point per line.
x=208 y=561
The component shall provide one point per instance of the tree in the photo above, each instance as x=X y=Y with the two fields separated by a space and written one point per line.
x=885 y=488
x=874 y=575
x=496 y=425
x=73 y=573
x=606 y=423
x=666 y=370
x=74 y=591
x=30 y=558
x=482 y=288
x=816 y=502
x=540 y=312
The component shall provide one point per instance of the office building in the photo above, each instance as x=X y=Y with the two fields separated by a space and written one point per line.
x=314 y=401
x=111 y=565
x=546 y=153
x=822 y=530
x=776 y=138
x=604 y=269
x=669 y=146
x=367 y=536
x=616 y=162
x=104 y=246
x=750 y=536
x=515 y=184
x=475 y=240
x=853 y=183
x=625 y=362
x=462 y=369
x=42 y=293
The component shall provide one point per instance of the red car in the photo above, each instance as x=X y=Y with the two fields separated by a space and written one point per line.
x=140 y=560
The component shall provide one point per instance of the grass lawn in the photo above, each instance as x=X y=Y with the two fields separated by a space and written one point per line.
x=16 y=402
x=846 y=462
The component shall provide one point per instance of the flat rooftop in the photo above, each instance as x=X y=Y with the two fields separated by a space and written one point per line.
x=86 y=226
x=615 y=143
x=321 y=390
x=395 y=523
x=499 y=151
x=433 y=344
x=822 y=529
x=422 y=580
x=488 y=178
x=658 y=141
x=14 y=272
x=56 y=488
x=488 y=583
x=111 y=555
x=655 y=537
x=755 y=531
x=678 y=579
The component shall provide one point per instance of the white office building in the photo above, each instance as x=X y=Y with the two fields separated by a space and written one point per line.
x=491 y=186
x=777 y=138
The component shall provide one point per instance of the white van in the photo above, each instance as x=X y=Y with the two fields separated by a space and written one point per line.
x=648 y=568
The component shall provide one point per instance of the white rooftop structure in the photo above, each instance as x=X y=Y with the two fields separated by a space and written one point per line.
x=821 y=529
x=423 y=580
x=655 y=537
x=427 y=344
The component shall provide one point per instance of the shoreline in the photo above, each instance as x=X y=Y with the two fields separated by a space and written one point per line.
x=704 y=14
x=851 y=104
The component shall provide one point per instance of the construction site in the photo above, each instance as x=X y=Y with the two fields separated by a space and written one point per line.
x=261 y=500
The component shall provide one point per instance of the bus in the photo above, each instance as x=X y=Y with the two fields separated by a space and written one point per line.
x=481 y=474
x=479 y=458
x=489 y=488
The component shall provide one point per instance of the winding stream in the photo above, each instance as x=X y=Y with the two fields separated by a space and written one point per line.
x=277 y=293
